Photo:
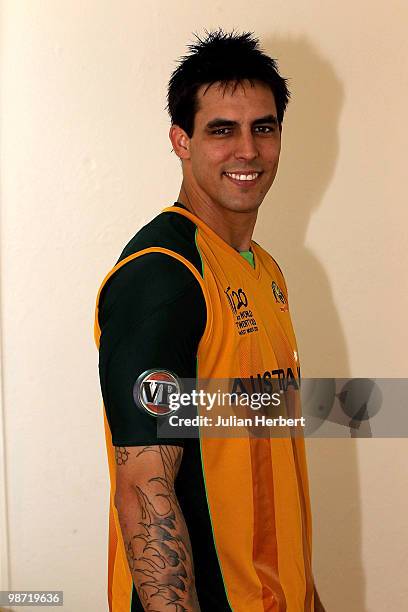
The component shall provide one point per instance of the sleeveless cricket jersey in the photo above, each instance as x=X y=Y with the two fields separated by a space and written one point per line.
x=245 y=500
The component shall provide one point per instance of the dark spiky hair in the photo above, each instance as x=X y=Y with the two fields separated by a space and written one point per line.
x=224 y=58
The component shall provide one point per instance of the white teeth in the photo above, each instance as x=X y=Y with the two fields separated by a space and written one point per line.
x=243 y=177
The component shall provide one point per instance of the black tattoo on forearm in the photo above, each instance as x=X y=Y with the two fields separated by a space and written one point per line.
x=159 y=555
x=121 y=455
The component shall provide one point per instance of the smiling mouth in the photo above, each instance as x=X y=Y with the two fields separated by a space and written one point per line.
x=243 y=178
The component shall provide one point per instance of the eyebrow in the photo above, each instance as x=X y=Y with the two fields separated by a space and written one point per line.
x=220 y=122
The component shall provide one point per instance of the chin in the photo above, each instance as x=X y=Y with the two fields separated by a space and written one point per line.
x=242 y=207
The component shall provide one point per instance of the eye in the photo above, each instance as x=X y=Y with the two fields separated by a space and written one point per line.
x=221 y=131
x=264 y=129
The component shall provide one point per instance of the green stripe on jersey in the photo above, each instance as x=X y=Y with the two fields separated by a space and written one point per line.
x=249 y=256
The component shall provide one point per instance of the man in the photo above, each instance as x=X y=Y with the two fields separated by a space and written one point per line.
x=205 y=524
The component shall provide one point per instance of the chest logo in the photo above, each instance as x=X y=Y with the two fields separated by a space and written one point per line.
x=279 y=297
x=243 y=316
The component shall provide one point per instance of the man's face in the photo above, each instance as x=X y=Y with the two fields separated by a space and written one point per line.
x=235 y=147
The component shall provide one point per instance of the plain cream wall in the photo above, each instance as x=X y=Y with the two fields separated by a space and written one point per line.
x=86 y=161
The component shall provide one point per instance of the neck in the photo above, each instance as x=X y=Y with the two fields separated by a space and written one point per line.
x=236 y=228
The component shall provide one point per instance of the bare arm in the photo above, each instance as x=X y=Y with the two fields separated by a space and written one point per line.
x=153 y=527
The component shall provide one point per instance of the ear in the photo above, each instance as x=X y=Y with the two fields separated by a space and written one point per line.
x=180 y=142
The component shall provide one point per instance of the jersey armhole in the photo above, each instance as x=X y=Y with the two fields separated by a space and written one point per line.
x=181 y=259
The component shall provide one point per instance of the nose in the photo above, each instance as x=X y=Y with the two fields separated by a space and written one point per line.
x=246 y=148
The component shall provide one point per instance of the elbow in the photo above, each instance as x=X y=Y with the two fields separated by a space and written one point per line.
x=125 y=497
x=122 y=498
x=117 y=501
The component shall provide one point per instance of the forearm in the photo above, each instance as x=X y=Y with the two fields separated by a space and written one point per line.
x=158 y=547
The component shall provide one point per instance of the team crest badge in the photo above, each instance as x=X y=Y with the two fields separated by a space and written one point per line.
x=279 y=297
x=152 y=390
